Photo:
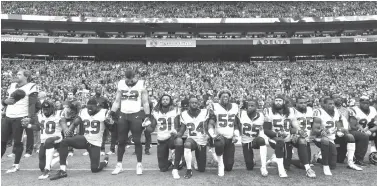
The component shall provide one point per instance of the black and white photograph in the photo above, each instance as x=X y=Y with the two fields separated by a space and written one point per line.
x=166 y=93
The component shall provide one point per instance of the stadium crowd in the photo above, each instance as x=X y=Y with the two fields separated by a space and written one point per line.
x=350 y=78
x=191 y=9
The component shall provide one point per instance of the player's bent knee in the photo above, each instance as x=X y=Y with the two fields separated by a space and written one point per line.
x=302 y=141
x=219 y=143
x=260 y=141
x=178 y=142
x=325 y=141
x=187 y=145
x=349 y=138
x=279 y=143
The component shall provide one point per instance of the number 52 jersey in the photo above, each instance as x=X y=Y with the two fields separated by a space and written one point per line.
x=195 y=126
x=94 y=126
x=50 y=127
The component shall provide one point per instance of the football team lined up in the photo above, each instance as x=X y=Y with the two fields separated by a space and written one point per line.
x=219 y=126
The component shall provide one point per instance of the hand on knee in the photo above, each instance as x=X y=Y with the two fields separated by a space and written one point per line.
x=302 y=141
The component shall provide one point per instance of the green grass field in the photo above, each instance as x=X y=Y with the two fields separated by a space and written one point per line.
x=79 y=173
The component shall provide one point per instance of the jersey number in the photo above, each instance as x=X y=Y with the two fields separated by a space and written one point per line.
x=130 y=95
x=92 y=127
x=305 y=123
x=165 y=125
x=330 y=124
x=49 y=128
x=247 y=128
x=224 y=122
x=199 y=129
x=279 y=125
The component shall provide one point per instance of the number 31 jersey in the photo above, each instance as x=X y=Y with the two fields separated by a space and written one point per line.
x=280 y=123
x=165 y=123
x=195 y=126
x=250 y=127
x=50 y=127
x=94 y=126
x=225 y=119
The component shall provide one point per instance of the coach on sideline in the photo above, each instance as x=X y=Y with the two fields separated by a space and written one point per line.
x=23 y=96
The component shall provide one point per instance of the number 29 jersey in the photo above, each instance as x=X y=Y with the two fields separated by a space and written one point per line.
x=50 y=126
x=280 y=123
x=225 y=119
x=165 y=123
x=250 y=127
x=94 y=126
x=195 y=126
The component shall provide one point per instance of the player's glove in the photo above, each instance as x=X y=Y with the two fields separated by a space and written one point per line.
x=218 y=137
x=368 y=132
x=173 y=132
x=68 y=133
x=25 y=122
x=302 y=134
x=282 y=134
x=146 y=122
x=235 y=139
x=109 y=120
x=324 y=132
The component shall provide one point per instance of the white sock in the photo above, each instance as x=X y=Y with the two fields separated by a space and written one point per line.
x=326 y=166
x=188 y=158
x=220 y=160
x=280 y=163
x=16 y=165
x=54 y=161
x=351 y=151
x=49 y=156
x=307 y=166
x=263 y=155
x=63 y=167
x=373 y=148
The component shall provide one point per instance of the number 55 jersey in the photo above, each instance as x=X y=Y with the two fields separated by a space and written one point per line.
x=225 y=119
x=50 y=126
x=195 y=126
x=94 y=126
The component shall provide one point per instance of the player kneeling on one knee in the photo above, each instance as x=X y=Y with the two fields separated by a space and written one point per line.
x=194 y=120
x=251 y=123
x=94 y=120
x=167 y=136
x=224 y=128
x=50 y=125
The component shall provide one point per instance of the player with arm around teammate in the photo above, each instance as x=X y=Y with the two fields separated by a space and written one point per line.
x=94 y=120
x=329 y=124
x=363 y=121
x=51 y=125
x=223 y=127
x=165 y=118
x=251 y=123
x=194 y=120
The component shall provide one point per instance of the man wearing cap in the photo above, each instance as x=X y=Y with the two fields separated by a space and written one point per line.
x=23 y=95
x=131 y=93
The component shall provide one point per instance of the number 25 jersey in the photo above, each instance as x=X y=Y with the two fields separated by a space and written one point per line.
x=94 y=126
x=250 y=127
x=50 y=127
x=225 y=119
x=195 y=126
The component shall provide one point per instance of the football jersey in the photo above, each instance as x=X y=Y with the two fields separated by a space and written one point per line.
x=362 y=118
x=329 y=122
x=50 y=126
x=250 y=127
x=131 y=96
x=21 y=107
x=280 y=123
x=165 y=123
x=195 y=126
x=305 y=120
x=94 y=126
x=225 y=119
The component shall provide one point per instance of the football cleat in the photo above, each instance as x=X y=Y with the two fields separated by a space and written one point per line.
x=85 y=153
x=60 y=174
x=14 y=168
x=12 y=155
x=118 y=169
x=110 y=153
x=147 y=152
x=70 y=154
x=373 y=158
x=106 y=160
x=139 y=169
x=271 y=161
x=352 y=165
x=360 y=163
x=188 y=174
x=263 y=171
x=27 y=155
x=175 y=174
x=283 y=173
x=45 y=175
x=102 y=153
x=310 y=173
x=327 y=171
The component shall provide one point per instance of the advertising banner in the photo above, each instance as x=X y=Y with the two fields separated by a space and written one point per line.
x=170 y=43
x=68 y=40
x=271 y=41
x=23 y=39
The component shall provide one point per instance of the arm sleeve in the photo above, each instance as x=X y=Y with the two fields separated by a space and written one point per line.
x=33 y=99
